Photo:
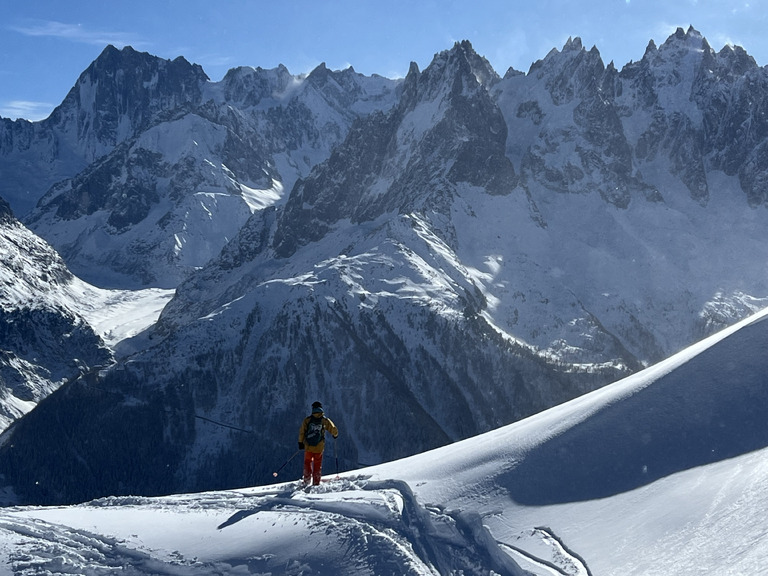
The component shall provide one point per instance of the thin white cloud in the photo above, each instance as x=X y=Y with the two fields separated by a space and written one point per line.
x=26 y=109
x=76 y=33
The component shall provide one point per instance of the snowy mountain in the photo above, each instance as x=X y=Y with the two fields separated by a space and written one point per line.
x=163 y=166
x=45 y=339
x=460 y=252
x=121 y=94
x=661 y=473
x=645 y=230
x=53 y=326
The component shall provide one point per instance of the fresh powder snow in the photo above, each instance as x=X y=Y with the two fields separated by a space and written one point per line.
x=570 y=491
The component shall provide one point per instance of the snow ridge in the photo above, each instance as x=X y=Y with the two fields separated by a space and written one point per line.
x=454 y=510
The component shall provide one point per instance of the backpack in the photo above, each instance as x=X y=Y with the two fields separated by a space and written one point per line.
x=315 y=431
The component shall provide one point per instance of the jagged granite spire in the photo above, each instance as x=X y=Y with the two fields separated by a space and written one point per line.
x=385 y=164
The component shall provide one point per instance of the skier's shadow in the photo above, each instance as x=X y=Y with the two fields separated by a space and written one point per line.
x=237 y=516
x=267 y=501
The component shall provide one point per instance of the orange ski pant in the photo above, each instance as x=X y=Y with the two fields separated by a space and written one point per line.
x=313 y=465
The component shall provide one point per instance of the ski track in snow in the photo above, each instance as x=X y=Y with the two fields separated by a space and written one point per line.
x=379 y=525
x=44 y=548
x=557 y=559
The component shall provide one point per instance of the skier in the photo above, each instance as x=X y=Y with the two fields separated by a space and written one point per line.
x=312 y=441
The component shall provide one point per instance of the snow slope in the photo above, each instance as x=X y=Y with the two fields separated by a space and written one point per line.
x=54 y=326
x=664 y=472
x=116 y=315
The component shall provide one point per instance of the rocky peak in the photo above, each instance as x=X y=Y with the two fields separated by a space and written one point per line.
x=482 y=70
x=512 y=72
x=123 y=92
x=350 y=94
x=323 y=78
x=571 y=73
x=650 y=49
x=690 y=38
x=573 y=45
x=734 y=61
x=460 y=70
x=683 y=49
x=248 y=86
x=130 y=69
x=411 y=84
x=336 y=86
x=668 y=76
x=735 y=115
x=319 y=75
x=384 y=164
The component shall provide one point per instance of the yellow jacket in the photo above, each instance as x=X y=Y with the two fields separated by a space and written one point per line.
x=327 y=425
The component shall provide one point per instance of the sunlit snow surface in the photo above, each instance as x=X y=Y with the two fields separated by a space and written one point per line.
x=665 y=472
x=116 y=315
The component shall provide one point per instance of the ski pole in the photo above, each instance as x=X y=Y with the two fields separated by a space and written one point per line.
x=335 y=455
x=285 y=463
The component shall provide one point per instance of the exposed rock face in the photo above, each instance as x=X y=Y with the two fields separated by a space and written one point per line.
x=44 y=341
x=121 y=94
x=400 y=162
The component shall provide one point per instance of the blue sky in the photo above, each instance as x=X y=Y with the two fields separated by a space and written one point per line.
x=46 y=44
